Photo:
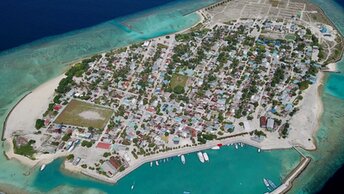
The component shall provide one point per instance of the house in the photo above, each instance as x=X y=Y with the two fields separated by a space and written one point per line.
x=270 y=124
x=103 y=145
x=263 y=121
x=176 y=139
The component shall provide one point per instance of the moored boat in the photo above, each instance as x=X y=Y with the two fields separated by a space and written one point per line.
x=43 y=167
x=236 y=146
x=266 y=183
x=151 y=164
x=206 y=157
x=215 y=148
x=182 y=158
x=200 y=157
x=258 y=149
x=272 y=184
x=157 y=163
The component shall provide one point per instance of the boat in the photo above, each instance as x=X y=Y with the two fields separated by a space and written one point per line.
x=43 y=167
x=164 y=160
x=182 y=158
x=241 y=144
x=272 y=184
x=200 y=156
x=215 y=148
x=132 y=186
x=157 y=163
x=266 y=182
x=258 y=149
x=151 y=164
x=236 y=146
x=206 y=157
x=186 y=192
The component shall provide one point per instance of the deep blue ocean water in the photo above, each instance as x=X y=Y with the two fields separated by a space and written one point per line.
x=24 y=21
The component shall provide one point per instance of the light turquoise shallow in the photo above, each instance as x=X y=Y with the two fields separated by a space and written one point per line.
x=229 y=171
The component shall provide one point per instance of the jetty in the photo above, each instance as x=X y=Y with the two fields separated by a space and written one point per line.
x=288 y=181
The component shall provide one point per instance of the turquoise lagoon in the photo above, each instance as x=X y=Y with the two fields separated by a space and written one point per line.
x=229 y=171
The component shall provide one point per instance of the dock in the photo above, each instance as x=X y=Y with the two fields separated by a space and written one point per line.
x=288 y=181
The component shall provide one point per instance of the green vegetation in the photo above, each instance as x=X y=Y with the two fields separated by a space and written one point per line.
x=76 y=70
x=66 y=137
x=71 y=115
x=70 y=157
x=178 y=83
x=179 y=89
x=39 y=123
x=106 y=154
x=24 y=150
x=203 y=137
x=303 y=85
x=278 y=77
x=85 y=143
x=290 y=37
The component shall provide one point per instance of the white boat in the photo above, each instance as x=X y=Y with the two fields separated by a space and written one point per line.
x=215 y=148
x=206 y=157
x=43 y=167
x=266 y=182
x=241 y=144
x=151 y=164
x=258 y=149
x=132 y=186
x=236 y=146
x=272 y=184
x=200 y=156
x=164 y=160
x=182 y=158
x=157 y=163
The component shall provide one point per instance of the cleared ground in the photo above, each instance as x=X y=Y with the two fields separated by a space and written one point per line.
x=178 y=80
x=84 y=114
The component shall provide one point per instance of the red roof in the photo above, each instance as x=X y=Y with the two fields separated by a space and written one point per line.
x=57 y=107
x=151 y=109
x=103 y=145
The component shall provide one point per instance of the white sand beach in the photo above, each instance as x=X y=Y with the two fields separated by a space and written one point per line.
x=306 y=121
x=23 y=116
x=332 y=67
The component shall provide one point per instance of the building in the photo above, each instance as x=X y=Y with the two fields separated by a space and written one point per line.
x=263 y=121
x=270 y=124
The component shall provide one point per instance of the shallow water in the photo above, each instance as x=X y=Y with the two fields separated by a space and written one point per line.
x=233 y=169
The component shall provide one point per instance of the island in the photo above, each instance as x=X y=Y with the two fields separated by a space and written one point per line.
x=248 y=73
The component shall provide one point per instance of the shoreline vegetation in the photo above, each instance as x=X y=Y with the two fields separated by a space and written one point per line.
x=41 y=96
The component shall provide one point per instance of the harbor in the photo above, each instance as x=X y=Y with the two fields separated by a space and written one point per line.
x=225 y=161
